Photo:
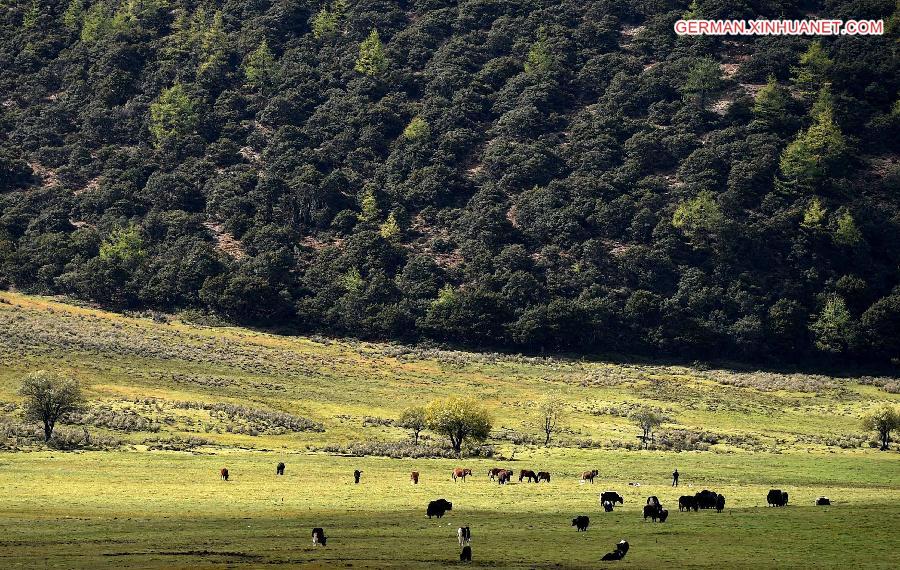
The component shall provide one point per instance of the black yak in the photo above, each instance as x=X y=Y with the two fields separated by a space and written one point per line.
x=318 y=536
x=777 y=498
x=619 y=553
x=823 y=501
x=687 y=502
x=720 y=503
x=438 y=508
x=466 y=554
x=612 y=497
x=279 y=469
x=581 y=523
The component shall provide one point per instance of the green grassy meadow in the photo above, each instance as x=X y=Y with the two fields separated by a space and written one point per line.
x=134 y=506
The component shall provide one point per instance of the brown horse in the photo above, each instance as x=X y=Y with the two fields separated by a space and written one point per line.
x=543 y=476
x=589 y=475
x=460 y=473
x=224 y=474
x=414 y=477
x=528 y=474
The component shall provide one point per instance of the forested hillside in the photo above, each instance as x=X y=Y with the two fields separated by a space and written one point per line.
x=534 y=175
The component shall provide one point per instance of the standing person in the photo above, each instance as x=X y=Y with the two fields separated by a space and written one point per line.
x=675 y=478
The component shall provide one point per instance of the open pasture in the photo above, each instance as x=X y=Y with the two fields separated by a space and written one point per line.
x=174 y=403
x=114 y=509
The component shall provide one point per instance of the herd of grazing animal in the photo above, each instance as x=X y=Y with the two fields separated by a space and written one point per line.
x=653 y=510
x=705 y=499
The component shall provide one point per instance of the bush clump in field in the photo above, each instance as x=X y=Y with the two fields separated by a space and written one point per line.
x=176 y=443
x=68 y=439
x=889 y=385
x=405 y=449
x=120 y=420
x=685 y=440
x=258 y=421
x=374 y=421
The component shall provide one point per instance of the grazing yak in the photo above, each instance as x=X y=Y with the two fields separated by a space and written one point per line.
x=438 y=508
x=589 y=476
x=612 y=497
x=720 y=503
x=777 y=498
x=414 y=477
x=223 y=473
x=356 y=475
x=687 y=502
x=655 y=511
x=318 y=536
x=543 y=476
x=504 y=476
x=581 y=523
x=279 y=469
x=466 y=554
x=607 y=506
x=464 y=535
x=619 y=553
x=460 y=473
x=706 y=499
x=494 y=471
x=823 y=501
x=528 y=474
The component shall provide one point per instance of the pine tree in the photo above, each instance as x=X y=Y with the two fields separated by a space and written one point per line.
x=369 y=205
x=390 y=229
x=815 y=153
x=771 y=103
x=539 y=59
x=96 y=24
x=213 y=44
x=814 y=214
x=846 y=233
x=417 y=128
x=833 y=327
x=31 y=16
x=812 y=72
x=73 y=15
x=704 y=77
x=699 y=216
x=371 y=60
x=259 y=67
x=325 y=23
x=173 y=114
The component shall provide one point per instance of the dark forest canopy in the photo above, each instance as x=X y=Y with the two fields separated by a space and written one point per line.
x=532 y=175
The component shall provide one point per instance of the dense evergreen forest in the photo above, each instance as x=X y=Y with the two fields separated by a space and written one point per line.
x=527 y=175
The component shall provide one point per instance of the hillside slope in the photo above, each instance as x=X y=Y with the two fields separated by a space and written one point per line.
x=149 y=380
x=535 y=175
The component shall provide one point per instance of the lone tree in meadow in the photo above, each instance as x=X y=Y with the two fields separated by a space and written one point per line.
x=550 y=411
x=884 y=420
x=413 y=419
x=49 y=398
x=648 y=419
x=459 y=419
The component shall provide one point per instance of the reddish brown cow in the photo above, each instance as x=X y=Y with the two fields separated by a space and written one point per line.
x=589 y=475
x=460 y=473
x=224 y=474
x=528 y=474
x=414 y=477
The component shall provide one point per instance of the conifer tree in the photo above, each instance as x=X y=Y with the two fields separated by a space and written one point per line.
x=371 y=60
